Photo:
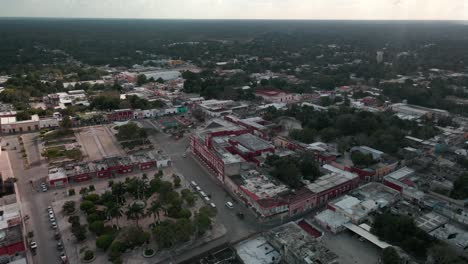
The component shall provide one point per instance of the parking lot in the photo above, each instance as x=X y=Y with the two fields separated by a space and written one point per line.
x=98 y=142
x=350 y=249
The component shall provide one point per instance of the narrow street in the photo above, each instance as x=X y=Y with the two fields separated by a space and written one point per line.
x=192 y=170
x=34 y=203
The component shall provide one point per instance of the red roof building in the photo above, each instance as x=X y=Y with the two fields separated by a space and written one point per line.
x=275 y=96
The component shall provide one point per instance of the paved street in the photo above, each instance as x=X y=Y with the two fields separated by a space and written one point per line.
x=34 y=203
x=191 y=169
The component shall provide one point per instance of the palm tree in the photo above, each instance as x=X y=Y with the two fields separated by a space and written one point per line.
x=154 y=209
x=114 y=210
x=135 y=212
x=119 y=189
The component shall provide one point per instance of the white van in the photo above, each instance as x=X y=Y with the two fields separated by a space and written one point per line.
x=229 y=205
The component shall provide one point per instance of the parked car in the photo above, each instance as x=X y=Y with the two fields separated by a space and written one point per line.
x=49 y=209
x=59 y=245
x=203 y=194
x=198 y=188
x=194 y=184
x=207 y=199
x=213 y=205
x=44 y=189
x=53 y=225
x=63 y=257
x=229 y=205
x=33 y=245
x=57 y=235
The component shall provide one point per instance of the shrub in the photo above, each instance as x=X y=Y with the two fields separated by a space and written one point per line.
x=92 y=197
x=71 y=192
x=104 y=241
x=116 y=250
x=74 y=219
x=95 y=216
x=148 y=252
x=87 y=206
x=69 y=207
x=79 y=231
x=97 y=227
x=185 y=213
x=83 y=190
x=88 y=255
x=91 y=188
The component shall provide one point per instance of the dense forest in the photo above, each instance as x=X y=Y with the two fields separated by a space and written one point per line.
x=115 y=42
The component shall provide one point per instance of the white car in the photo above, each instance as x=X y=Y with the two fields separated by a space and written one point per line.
x=198 y=188
x=213 y=205
x=33 y=245
x=194 y=184
x=49 y=209
x=203 y=194
x=44 y=189
x=207 y=199
x=229 y=205
x=53 y=225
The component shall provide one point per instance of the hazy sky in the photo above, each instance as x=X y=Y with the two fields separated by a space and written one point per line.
x=240 y=9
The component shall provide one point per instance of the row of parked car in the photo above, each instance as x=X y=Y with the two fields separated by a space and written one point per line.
x=206 y=197
x=57 y=236
x=203 y=195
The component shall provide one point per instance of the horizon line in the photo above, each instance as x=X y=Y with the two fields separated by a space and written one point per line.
x=236 y=19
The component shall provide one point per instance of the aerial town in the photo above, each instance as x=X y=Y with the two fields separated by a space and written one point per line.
x=235 y=158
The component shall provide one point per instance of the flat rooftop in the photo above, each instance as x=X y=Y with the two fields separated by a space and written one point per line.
x=430 y=221
x=400 y=174
x=334 y=178
x=252 y=142
x=262 y=187
x=297 y=242
x=452 y=234
x=57 y=174
x=332 y=218
x=257 y=251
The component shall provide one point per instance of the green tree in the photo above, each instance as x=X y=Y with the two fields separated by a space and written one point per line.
x=69 y=207
x=104 y=241
x=165 y=234
x=460 y=188
x=202 y=222
x=119 y=190
x=390 y=256
x=183 y=229
x=66 y=123
x=154 y=209
x=309 y=168
x=135 y=211
x=87 y=207
x=141 y=79
x=79 y=231
x=362 y=159
x=114 y=211
x=97 y=227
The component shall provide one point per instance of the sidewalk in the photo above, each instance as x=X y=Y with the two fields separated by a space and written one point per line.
x=7 y=172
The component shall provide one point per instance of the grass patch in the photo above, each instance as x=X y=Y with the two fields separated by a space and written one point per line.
x=61 y=152
x=57 y=134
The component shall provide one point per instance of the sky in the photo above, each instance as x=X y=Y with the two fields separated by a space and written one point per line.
x=240 y=9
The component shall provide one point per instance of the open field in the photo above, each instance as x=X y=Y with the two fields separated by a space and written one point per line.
x=98 y=142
